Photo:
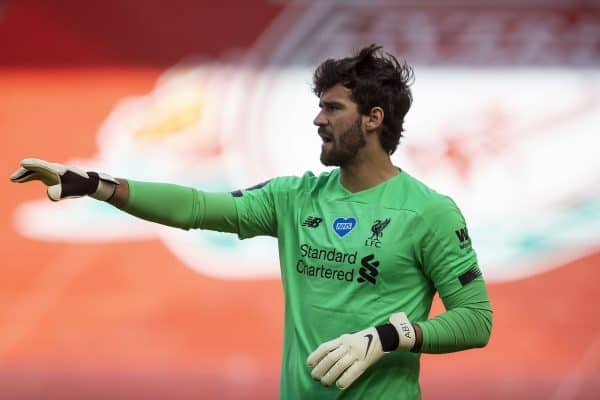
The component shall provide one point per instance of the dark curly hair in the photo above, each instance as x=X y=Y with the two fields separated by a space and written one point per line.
x=375 y=78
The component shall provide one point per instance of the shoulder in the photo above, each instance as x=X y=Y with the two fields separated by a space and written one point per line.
x=306 y=183
x=286 y=186
x=438 y=219
x=424 y=200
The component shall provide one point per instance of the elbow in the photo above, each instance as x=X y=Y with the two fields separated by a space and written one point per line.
x=483 y=338
x=482 y=341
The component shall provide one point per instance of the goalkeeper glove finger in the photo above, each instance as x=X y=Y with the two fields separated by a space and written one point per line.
x=345 y=359
x=65 y=182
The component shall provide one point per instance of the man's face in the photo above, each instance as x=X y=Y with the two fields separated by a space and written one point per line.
x=339 y=126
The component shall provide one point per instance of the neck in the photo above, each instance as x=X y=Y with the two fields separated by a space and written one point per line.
x=362 y=174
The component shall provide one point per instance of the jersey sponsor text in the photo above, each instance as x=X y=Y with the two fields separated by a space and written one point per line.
x=324 y=272
x=327 y=254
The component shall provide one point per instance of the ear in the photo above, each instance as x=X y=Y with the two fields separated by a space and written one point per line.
x=374 y=120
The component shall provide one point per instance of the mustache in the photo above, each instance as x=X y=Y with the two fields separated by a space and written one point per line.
x=323 y=131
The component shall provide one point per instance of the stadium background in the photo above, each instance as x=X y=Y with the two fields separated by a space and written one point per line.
x=128 y=319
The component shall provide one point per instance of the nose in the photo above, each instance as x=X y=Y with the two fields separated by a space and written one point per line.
x=320 y=119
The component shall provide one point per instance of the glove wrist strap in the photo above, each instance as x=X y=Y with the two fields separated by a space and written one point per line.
x=399 y=334
x=105 y=190
x=406 y=332
x=388 y=336
x=106 y=186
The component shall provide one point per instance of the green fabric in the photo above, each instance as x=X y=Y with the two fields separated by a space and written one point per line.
x=345 y=281
x=219 y=213
x=343 y=270
x=466 y=324
x=181 y=207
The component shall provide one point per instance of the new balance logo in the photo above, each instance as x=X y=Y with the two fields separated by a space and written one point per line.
x=312 y=222
x=368 y=272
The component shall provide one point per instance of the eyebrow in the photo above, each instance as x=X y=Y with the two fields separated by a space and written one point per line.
x=330 y=104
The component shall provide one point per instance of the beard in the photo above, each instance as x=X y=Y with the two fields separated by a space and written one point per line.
x=345 y=148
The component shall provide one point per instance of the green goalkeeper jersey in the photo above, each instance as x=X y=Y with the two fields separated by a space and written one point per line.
x=349 y=260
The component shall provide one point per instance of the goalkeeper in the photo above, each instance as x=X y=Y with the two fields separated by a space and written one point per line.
x=362 y=248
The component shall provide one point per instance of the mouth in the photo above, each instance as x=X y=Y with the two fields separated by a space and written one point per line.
x=326 y=138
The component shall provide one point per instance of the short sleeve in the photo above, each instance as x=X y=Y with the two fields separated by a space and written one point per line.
x=446 y=251
x=256 y=210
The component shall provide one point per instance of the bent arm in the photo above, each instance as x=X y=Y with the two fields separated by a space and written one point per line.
x=177 y=206
x=466 y=323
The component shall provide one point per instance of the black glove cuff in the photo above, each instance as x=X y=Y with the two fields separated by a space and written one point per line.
x=94 y=181
x=74 y=185
x=388 y=335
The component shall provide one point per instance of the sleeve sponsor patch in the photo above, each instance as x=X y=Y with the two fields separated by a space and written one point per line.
x=462 y=235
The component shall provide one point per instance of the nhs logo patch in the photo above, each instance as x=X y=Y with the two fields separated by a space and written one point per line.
x=343 y=226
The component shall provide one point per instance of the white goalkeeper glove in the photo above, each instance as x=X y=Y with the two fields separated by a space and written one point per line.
x=343 y=360
x=65 y=182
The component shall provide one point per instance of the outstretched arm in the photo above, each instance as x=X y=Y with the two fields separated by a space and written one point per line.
x=167 y=204
x=178 y=206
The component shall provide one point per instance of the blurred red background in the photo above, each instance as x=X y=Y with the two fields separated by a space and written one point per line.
x=129 y=320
